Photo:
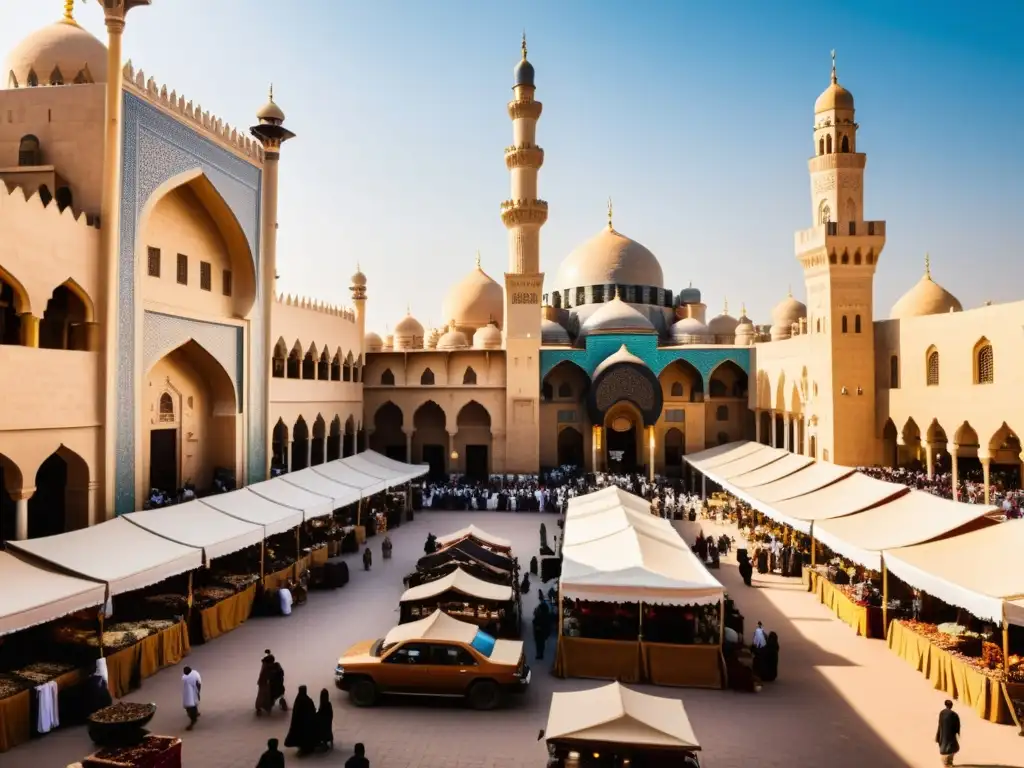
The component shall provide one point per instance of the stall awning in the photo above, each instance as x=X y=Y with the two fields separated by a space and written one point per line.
x=611 y=497
x=35 y=595
x=312 y=481
x=410 y=471
x=461 y=582
x=756 y=460
x=342 y=473
x=913 y=518
x=253 y=508
x=580 y=529
x=482 y=536
x=121 y=554
x=278 y=491
x=613 y=714
x=845 y=497
x=722 y=454
x=812 y=478
x=392 y=476
x=469 y=549
x=437 y=626
x=196 y=524
x=784 y=467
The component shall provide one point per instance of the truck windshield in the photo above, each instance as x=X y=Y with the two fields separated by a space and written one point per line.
x=483 y=643
x=377 y=647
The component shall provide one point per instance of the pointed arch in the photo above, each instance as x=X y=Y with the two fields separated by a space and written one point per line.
x=318 y=448
x=931 y=358
x=336 y=365
x=280 y=356
x=64 y=321
x=427 y=378
x=61 y=499
x=56 y=78
x=347 y=370
x=300 y=445
x=294 y=367
x=323 y=366
x=890 y=444
x=334 y=439
x=984 y=362
x=349 y=438
x=911 y=433
x=966 y=436
x=387 y=378
x=469 y=377
x=845 y=146
x=388 y=436
x=309 y=362
x=727 y=379
x=681 y=379
x=828 y=144
x=21 y=303
x=1004 y=445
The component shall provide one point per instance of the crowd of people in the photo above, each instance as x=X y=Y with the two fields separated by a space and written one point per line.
x=1004 y=485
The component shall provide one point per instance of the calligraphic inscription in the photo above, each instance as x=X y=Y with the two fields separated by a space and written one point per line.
x=524 y=298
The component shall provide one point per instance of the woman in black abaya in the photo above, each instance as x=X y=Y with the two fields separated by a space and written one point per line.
x=325 y=721
x=302 y=733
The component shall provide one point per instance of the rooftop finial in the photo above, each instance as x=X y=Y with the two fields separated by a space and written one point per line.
x=478 y=259
x=610 y=213
x=524 y=45
x=928 y=266
x=789 y=291
x=69 y=12
x=834 y=80
x=743 y=309
x=725 y=308
x=271 y=92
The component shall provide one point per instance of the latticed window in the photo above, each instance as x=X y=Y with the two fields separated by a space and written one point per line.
x=985 y=362
x=154 y=262
x=933 y=368
x=166 y=408
x=205 y=275
x=182 y=269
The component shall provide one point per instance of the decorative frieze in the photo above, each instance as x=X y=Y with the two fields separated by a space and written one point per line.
x=525 y=109
x=516 y=212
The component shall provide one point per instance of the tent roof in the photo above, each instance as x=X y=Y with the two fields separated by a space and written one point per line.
x=756 y=460
x=611 y=497
x=807 y=480
x=414 y=470
x=195 y=524
x=393 y=475
x=288 y=495
x=617 y=715
x=479 y=534
x=117 y=552
x=849 y=495
x=342 y=473
x=723 y=454
x=253 y=508
x=978 y=571
x=458 y=581
x=914 y=518
x=41 y=595
x=437 y=626
x=777 y=470
x=590 y=527
x=312 y=481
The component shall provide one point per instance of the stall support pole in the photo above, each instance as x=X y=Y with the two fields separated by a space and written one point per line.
x=640 y=633
x=359 y=511
x=188 y=617
x=263 y=558
x=298 y=549
x=721 y=622
x=814 y=551
x=885 y=600
x=103 y=610
x=704 y=487
x=1006 y=645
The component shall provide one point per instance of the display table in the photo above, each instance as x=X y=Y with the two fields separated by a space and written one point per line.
x=15 y=716
x=866 y=620
x=599 y=659
x=228 y=614
x=153 y=752
x=988 y=697
x=128 y=667
x=318 y=556
x=689 y=666
x=278 y=579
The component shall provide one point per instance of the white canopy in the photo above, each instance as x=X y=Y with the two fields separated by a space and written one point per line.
x=437 y=626
x=35 y=595
x=978 y=571
x=342 y=473
x=755 y=460
x=253 y=508
x=777 y=470
x=591 y=526
x=845 y=497
x=415 y=470
x=913 y=518
x=611 y=497
x=312 y=481
x=393 y=475
x=278 y=491
x=812 y=478
x=196 y=524
x=121 y=554
x=475 y=533
x=458 y=581
x=613 y=714
x=722 y=454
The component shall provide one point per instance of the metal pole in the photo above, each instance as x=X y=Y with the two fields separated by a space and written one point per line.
x=1006 y=645
x=885 y=600
x=263 y=558
x=721 y=622
x=298 y=549
x=814 y=550
x=189 y=617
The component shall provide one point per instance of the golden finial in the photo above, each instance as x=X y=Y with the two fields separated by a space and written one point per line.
x=834 y=80
x=743 y=309
x=478 y=259
x=271 y=93
x=610 y=213
x=928 y=266
x=725 y=308
x=69 y=12
x=524 y=45
x=789 y=290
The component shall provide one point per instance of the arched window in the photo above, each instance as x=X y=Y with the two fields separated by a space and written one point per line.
x=677 y=389
x=56 y=78
x=29 y=151
x=845 y=325
x=856 y=256
x=427 y=378
x=469 y=377
x=33 y=79
x=717 y=388
x=846 y=144
x=824 y=213
x=832 y=258
x=546 y=392
x=821 y=146
x=845 y=258
x=722 y=413
x=856 y=323
x=894 y=372
x=387 y=379
x=933 y=368
x=984 y=372
x=565 y=389
x=166 y=408
x=828 y=144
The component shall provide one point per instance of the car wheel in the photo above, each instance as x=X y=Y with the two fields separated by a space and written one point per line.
x=484 y=695
x=363 y=693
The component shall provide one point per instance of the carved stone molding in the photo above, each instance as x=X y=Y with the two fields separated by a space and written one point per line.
x=530 y=110
x=524 y=157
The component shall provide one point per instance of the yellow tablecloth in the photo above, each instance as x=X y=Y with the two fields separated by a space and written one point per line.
x=600 y=659
x=318 y=557
x=228 y=614
x=121 y=668
x=127 y=668
x=278 y=579
x=986 y=696
x=15 y=727
x=690 y=666
x=860 y=617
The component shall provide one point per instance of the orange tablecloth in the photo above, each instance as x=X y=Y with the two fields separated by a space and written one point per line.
x=278 y=579
x=318 y=556
x=228 y=614
x=690 y=666
x=865 y=620
x=127 y=668
x=15 y=727
x=599 y=659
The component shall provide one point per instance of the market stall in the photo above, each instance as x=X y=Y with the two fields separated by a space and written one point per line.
x=379 y=465
x=320 y=485
x=749 y=462
x=615 y=726
x=477 y=535
x=482 y=571
x=611 y=497
x=490 y=606
x=467 y=549
x=787 y=465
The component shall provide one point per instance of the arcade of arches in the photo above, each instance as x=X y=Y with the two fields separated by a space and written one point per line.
x=297 y=447
x=59 y=497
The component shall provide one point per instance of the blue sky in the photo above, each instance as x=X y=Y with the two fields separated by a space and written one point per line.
x=695 y=117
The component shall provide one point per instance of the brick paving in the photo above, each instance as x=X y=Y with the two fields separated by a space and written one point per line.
x=840 y=701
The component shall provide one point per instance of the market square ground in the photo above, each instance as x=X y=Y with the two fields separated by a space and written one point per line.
x=840 y=700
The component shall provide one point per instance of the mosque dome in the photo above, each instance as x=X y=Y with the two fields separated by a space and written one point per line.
x=475 y=301
x=523 y=72
x=623 y=355
x=616 y=316
x=63 y=49
x=926 y=298
x=359 y=279
x=609 y=258
x=788 y=311
x=270 y=112
x=835 y=96
x=488 y=337
x=452 y=339
x=689 y=295
x=372 y=342
x=553 y=333
x=408 y=333
x=389 y=343
x=690 y=330
x=723 y=324
x=745 y=330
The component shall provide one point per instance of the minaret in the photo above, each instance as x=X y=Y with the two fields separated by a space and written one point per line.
x=114 y=12
x=523 y=215
x=271 y=133
x=839 y=254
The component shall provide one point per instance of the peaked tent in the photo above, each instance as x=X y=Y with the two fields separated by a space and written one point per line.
x=287 y=495
x=342 y=473
x=480 y=535
x=392 y=475
x=437 y=626
x=598 y=525
x=400 y=466
x=35 y=595
x=611 y=497
x=196 y=524
x=723 y=454
x=312 y=481
x=749 y=463
x=253 y=508
x=458 y=581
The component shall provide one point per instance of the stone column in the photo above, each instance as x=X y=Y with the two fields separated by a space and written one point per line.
x=595 y=448
x=953 y=451
x=21 y=498
x=757 y=425
x=453 y=465
x=986 y=462
x=29 y=330
x=651 y=452
x=774 y=438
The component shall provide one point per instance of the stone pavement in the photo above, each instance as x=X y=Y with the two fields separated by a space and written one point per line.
x=840 y=701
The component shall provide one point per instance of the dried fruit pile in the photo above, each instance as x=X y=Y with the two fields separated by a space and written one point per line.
x=123 y=712
x=149 y=752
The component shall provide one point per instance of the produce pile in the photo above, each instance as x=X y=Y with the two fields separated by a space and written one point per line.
x=143 y=755
x=115 y=636
x=204 y=597
x=167 y=605
x=43 y=671
x=10 y=685
x=238 y=581
x=969 y=647
x=123 y=712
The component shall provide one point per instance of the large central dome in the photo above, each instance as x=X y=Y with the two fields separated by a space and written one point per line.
x=60 y=54
x=609 y=258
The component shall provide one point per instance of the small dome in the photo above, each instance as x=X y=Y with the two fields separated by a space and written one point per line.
x=689 y=295
x=690 y=330
x=359 y=279
x=745 y=330
x=270 y=112
x=408 y=333
x=623 y=355
x=788 y=311
x=835 y=96
x=372 y=342
x=523 y=72
x=488 y=337
x=63 y=48
x=475 y=301
x=453 y=340
x=926 y=298
x=552 y=333
x=616 y=316
x=609 y=258
x=723 y=324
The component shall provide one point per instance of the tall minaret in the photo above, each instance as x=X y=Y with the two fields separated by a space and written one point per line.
x=523 y=215
x=272 y=134
x=839 y=254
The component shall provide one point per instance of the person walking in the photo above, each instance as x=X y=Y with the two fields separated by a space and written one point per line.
x=358 y=759
x=367 y=558
x=273 y=757
x=191 y=685
x=541 y=627
x=948 y=734
x=302 y=733
x=325 y=721
x=275 y=681
x=264 y=701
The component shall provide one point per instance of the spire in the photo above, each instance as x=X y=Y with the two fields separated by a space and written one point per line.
x=408 y=309
x=610 y=214
x=478 y=259
x=69 y=12
x=725 y=307
x=524 y=45
x=928 y=266
x=834 y=80
x=743 y=309
x=789 y=291
x=271 y=96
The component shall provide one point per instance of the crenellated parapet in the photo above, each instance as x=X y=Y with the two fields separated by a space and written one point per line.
x=314 y=305
x=13 y=198
x=515 y=212
x=525 y=108
x=524 y=156
x=238 y=141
